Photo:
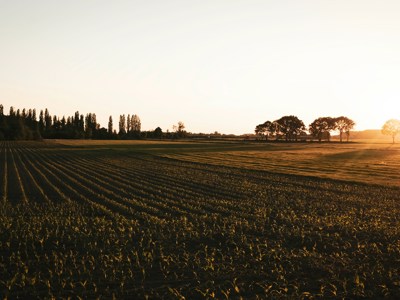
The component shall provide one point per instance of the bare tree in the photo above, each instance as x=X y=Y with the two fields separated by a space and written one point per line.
x=179 y=129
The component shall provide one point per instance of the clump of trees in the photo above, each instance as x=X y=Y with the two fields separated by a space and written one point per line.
x=128 y=127
x=24 y=125
x=391 y=128
x=19 y=125
x=292 y=128
x=289 y=127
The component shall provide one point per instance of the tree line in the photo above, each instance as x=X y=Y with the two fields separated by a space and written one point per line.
x=26 y=125
x=291 y=128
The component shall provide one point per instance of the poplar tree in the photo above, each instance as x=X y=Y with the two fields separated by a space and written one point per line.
x=122 y=125
x=110 y=125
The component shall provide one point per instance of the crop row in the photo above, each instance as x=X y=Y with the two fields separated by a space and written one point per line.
x=130 y=186
x=97 y=223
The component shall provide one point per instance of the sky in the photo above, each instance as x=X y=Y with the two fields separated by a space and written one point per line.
x=215 y=65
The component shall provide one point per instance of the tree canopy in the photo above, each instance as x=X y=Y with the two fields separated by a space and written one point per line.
x=391 y=128
x=291 y=128
x=24 y=125
x=322 y=127
x=344 y=125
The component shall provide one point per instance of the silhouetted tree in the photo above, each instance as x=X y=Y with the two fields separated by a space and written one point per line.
x=18 y=125
x=135 y=127
x=179 y=129
x=121 y=124
x=110 y=125
x=392 y=128
x=82 y=124
x=47 y=119
x=290 y=127
x=128 y=123
x=322 y=127
x=136 y=124
x=23 y=124
x=41 y=122
x=158 y=133
x=344 y=125
x=269 y=128
x=265 y=129
x=12 y=112
x=2 y=123
x=91 y=125
x=260 y=130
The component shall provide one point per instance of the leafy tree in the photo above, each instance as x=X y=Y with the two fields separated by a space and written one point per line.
x=22 y=124
x=344 y=125
x=269 y=128
x=33 y=118
x=110 y=125
x=18 y=125
x=63 y=123
x=260 y=130
x=265 y=128
x=47 y=120
x=76 y=120
x=128 y=123
x=392 y=128
x=158 y=133
x=41 y=122
x=12 y=112
x=81 y=124
x=322 y=127
x=102 y=133
x=121 y=124
x=91 y=125
x=290 y=127
x=56 y=123
x=136 y=124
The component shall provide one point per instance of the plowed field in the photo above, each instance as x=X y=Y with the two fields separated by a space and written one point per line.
x=164 y=220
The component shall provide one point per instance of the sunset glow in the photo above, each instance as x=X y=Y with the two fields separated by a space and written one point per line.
x=216 y=65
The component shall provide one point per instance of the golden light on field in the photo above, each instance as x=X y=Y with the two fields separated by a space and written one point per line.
x=238 y=221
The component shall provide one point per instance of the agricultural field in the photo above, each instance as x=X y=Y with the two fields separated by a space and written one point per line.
x=199 y=220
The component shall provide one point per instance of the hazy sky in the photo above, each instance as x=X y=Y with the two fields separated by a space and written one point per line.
x=215 y=65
